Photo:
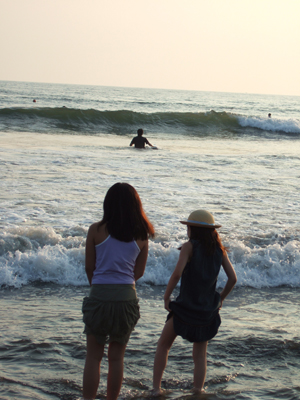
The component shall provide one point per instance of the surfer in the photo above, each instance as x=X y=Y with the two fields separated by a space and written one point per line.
x=115 y=258
x=194 y=315
x=269 y=115
x=139 y=141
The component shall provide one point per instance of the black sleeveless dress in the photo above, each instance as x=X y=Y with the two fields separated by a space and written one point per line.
x=196 y=309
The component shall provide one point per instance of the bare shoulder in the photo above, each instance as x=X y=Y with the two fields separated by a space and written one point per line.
x=98 y=233
x=225 y=258
x=187 y=245
x=186 y=251
x=143 y=244
x=93 y=230
x=93 y=227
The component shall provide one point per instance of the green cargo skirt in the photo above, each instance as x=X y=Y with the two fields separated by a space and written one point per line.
x=111 y=312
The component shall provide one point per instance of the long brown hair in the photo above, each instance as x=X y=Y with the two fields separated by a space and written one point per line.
x=124 y=216
x=209 y=237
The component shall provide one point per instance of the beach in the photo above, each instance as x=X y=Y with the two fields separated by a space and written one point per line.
x=216 y=151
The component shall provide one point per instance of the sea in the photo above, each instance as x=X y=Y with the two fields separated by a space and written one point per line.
x=63 y=146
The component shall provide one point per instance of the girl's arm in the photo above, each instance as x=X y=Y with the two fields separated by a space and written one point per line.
x=185 y=254
x=90 y=253
x=141 y=260
x=231 y=275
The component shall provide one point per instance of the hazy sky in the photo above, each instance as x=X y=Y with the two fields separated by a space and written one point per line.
x=215 y=45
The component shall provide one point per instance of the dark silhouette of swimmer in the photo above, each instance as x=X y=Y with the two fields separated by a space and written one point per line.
x=34 y=100
x=140 y=141
x=269 y=115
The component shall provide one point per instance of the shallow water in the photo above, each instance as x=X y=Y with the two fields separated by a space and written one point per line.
x=53 y=187
x=255 y=354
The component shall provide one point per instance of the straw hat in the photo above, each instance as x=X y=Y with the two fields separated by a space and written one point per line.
x=201 y=218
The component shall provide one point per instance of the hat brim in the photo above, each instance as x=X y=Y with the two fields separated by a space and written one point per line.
x=200 y=224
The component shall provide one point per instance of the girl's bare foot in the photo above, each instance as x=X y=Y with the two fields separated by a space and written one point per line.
x=197 y=391
x=156 y=392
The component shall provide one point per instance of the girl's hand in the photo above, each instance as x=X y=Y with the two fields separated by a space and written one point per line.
x=167 y=302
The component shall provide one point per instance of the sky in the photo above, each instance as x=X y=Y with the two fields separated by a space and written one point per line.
x=243 y=46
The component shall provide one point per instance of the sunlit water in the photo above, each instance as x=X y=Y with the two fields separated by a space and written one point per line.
x=56 y=166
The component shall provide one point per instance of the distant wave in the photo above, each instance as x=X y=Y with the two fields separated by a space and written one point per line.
x=66 y=120
x=271 y=125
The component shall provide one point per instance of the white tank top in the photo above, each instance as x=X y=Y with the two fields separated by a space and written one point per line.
x=115 y=262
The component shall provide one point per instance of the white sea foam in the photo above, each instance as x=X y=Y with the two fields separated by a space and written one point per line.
x=271 y=124
x=52 y=258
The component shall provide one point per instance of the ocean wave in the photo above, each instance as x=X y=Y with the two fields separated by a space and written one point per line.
x=68 y=120
x=271 y=124
x=37 y=254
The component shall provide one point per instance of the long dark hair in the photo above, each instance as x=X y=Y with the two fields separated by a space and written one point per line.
x=124 y=216
x=209 y=237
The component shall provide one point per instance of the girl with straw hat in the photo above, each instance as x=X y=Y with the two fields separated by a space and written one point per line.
x=194 y=315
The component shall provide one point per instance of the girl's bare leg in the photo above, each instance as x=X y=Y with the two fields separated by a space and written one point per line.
x=91 y=374
x=161 y=356
x=199 y=357
x=116 y=353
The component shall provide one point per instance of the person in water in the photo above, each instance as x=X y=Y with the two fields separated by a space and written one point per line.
x=194 y=315
x=115 y=258
x=139 y=141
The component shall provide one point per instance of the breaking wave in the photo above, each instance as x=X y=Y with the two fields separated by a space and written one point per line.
x=40 y=254
x=123 y=122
